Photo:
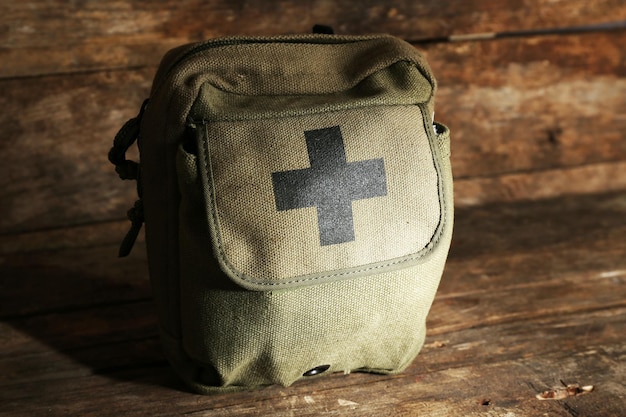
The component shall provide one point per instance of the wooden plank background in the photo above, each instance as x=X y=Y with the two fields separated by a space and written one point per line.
x=44 y=37
x=531 y=116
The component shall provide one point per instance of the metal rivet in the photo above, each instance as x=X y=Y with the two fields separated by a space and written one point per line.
x=316 y=370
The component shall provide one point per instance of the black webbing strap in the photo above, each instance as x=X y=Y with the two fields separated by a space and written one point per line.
x=129 y=170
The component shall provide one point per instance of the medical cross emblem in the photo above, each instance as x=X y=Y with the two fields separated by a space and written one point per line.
x=331 y=184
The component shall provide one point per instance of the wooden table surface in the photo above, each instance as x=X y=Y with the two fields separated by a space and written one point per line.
x=533 y=294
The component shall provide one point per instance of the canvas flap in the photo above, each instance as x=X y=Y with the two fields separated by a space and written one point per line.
x=305 y=188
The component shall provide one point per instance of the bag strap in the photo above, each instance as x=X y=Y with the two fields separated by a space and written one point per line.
x=129 y=170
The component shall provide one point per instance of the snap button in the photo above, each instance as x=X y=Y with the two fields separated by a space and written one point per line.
x=316 y=370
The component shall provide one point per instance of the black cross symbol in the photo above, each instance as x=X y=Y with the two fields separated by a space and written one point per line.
x=330 y=184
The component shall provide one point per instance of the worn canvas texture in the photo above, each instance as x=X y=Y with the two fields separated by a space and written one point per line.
x=298 y=207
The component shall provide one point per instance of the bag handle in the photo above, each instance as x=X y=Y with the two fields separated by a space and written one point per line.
x=129 y=170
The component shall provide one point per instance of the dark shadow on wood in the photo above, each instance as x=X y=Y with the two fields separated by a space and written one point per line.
x=88 y=306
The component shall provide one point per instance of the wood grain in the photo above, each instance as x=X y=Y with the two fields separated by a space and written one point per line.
x=518 y=105
x=44 y=37
x=530 y=118
x=539 y=184
x=56 y=133
x=62 y=280
x=533 y=293
x=508 y=367
x=479 y=298
x=85 y=236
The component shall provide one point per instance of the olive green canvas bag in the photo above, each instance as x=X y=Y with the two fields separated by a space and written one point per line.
x=297 y=198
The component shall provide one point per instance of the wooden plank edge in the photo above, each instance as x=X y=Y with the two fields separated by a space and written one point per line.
x=68 y=237
x=538 y=185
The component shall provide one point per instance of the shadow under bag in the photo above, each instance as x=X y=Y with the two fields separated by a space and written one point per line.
x=297 y=198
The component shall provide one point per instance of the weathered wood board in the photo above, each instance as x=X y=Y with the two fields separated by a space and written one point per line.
x=533 y=293
x=530 y=118
x=44 y=37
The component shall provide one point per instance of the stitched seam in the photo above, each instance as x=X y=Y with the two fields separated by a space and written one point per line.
x=213 y=218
